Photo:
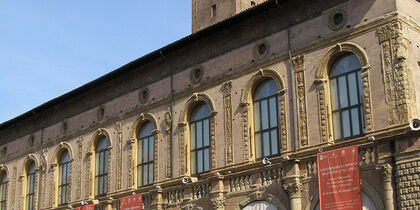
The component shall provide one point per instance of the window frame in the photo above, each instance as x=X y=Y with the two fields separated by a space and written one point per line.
x=63 y=184
x=359 y=105
x=30 y=184
x=269 y=129
x=202 y=148
x=101 y=176
x=3 y=190
x=150 y=138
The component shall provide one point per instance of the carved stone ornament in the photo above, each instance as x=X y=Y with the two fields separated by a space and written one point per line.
x=298 y=65
x=227 y=107
x=119 y=126
x=246 y=102
x=168 y=121
x=321 y=82
x=184 y=136
x=293 y=189
x=218 y=202
x=386 y=172
x=168 y=126
x=399 y=87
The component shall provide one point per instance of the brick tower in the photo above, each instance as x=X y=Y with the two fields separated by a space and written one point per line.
x=209 y=12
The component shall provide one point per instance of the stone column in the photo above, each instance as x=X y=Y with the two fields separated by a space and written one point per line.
x=294 y=190
x=157 y=200
x=386 y=172
x=218 y=193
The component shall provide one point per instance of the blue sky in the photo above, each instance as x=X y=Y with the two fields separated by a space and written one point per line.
x=48 y=48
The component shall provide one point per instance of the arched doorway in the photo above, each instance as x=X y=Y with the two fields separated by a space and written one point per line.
x=367 y=203
x=260 y=205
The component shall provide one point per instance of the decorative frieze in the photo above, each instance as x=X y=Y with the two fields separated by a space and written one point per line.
x=299 y=68
x=227 y=107
x=397 y=74
x=79 y=167
x=119 y=126
x=168 y=129
x=130 y=162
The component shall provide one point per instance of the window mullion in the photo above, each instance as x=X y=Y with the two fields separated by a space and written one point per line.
x=349 y=103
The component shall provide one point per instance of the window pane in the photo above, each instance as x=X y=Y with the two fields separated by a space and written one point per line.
x=257 y=116
x=145 y=170
x=140 y=151
x=145 y=154
x=100 y=185
x=353 y=89
x=355 y=121
x=206 y=130
x=273 y=112
x=346 y=123
x=264 y=114
x=343 y=91
x=199 y=132
x=106 y=161
x=334 y=97
x=336 y=125
x=206 y=160
x=201 y=111
x=193 y=163
x=199 y=161
x=150 y=173
x=151 y=148
x=258 y=145
x=101 y=163
x=146 y=129
x=139 y=175
x=274 y=142
x=105 y=184
x=192 y=136
x=266 y=141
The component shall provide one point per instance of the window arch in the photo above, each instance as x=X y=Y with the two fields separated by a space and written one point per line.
x=63 y=177
x=346 y=97
x=247 y=103
x=30 y=185
x=341 y=59
x=266 y=119
x=101 y=166
x=3 y=189
x=367 y=203
x=199 y=123
x=145 y=154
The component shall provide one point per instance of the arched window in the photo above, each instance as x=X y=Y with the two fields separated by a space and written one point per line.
x=101 y=166
x=346 y=97
x=367 y=203
x=266 y=115
x=145 y=155
x=257 y=205
x=63 y=177
x=30 y=186
x=200 y=139
x=3 y=190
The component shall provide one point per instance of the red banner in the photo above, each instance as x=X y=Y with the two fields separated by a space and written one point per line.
x=86 y=207
x=131 y=202
x=339 y=179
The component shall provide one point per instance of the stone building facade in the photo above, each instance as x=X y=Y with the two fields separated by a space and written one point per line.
x=294 y=45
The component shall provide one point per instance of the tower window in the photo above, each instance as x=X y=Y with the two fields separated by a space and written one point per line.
x=213 y=10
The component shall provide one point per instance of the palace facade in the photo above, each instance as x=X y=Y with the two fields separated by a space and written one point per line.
x=190 y=124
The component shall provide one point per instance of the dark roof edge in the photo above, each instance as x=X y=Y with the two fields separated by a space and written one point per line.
x=144 y=59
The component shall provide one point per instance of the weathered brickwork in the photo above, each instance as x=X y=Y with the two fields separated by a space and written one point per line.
x=408 y=185
x=289 y=42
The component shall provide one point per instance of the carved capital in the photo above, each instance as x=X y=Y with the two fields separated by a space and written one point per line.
x=293 y=189
x=298 y=63
x=218 y=203
x=386 y=172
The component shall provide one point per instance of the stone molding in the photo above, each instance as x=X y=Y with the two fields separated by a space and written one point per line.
x=398 y=81
x=247 y=111
x=184 y=131
x=299 y=69
x=227 y=107
x=322 y=85
x=260 y=195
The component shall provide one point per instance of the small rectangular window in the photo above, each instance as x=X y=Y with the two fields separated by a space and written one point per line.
x=213 y=10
